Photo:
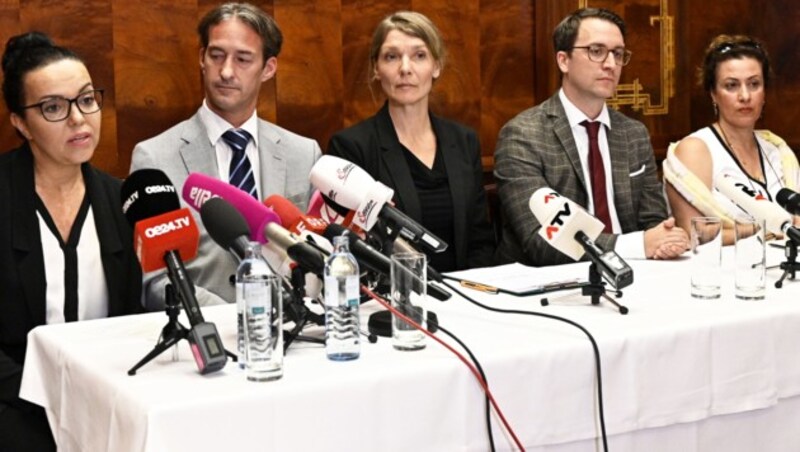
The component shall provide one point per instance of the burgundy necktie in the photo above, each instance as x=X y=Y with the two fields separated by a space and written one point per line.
x=598 y=174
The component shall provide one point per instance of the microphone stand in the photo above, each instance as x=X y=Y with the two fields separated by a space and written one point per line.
x=172 y=332
x=595 y=289
x=790 y=266
x=297 y=311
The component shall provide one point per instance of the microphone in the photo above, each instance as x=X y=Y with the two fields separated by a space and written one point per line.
x=164 y=236
x=299 y=251
x=352 y=187
x=293 y=218
x=332 y=213
x=226 y=226
x=570 y=229
x=372 y=259
x=199 y=188
x=789 y=200
x=307 y=227
x=776 y=220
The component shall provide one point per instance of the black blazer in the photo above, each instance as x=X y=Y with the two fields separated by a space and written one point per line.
x=22 y=278
x=373 y=145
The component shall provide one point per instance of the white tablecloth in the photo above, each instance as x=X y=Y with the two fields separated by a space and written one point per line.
x=678 y=374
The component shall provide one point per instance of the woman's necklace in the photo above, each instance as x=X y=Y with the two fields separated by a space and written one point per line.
x=736 y=154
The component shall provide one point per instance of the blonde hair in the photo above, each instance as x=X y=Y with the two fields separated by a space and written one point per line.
x=412 y=24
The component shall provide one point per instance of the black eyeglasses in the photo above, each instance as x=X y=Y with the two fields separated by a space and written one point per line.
x=726 y=47
x=58 y=109
x=598 y=53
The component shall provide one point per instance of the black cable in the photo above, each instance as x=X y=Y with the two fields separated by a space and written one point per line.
x=595 y=349
x=483 y=375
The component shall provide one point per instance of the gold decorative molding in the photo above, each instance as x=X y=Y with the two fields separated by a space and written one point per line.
x=633 y=94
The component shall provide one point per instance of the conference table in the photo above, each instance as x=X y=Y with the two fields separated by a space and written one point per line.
x=678 y=374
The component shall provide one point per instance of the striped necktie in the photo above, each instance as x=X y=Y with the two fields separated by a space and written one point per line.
x=241 y=171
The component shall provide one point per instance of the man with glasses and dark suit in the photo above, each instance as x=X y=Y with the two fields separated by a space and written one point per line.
x=226 y=139
x=595 y=156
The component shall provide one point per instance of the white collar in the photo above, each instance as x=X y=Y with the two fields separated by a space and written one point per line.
x=576 y=117
x=216 y=125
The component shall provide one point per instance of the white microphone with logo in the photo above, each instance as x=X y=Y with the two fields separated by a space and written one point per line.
x=569 y=228
x=348 y=185
x=775 y=218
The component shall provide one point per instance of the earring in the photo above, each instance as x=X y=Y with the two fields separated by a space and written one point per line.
x=716 y=109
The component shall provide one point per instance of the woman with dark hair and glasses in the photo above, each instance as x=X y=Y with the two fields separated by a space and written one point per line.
x=65 y=248
x=735 y=73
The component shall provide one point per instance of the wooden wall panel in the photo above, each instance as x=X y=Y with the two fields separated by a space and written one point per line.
x=156 y=69
x=309 y=79
x=9 y=26
x=507 y=67
x=457 y=93
x=359 y=19
x=501 y=61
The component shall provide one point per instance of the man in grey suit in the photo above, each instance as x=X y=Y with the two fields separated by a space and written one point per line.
x=552 y=145
x=239 y=48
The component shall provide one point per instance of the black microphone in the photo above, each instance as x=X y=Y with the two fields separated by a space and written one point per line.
x=789 y=200
x=165 y=235
x=302 y=253
x=609 y=263
x=226 y=226
x=372 y=259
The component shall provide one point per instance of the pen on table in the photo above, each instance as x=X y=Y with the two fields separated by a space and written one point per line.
x=552 y=287
x=478 y=286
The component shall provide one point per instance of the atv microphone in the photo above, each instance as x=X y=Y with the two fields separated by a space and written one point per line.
x=570 y=229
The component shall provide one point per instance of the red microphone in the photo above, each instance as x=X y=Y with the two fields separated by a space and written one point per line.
x=172 y=231
x=293 y=218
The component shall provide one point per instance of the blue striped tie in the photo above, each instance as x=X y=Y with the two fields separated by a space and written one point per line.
x=241 y=171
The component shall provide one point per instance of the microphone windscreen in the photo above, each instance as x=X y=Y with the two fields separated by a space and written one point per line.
x=293 y=218
x=199 y=188
x=147 y=193
x=784 y=195
x=335 y=230
x=285 y=209
x=315 y=204
x=172 y=231
x=789 y=200
x=336 y=207
x=223 y=222
x=340 y=180
x=752 y=201
x=561 y=219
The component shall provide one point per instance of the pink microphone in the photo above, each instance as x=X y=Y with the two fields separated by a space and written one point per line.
x=199 y=188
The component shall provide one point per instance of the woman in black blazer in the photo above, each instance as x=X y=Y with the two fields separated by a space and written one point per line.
x=65 y=248
x=433 y=164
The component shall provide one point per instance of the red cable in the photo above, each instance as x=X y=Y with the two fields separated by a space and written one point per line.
x=464 y=360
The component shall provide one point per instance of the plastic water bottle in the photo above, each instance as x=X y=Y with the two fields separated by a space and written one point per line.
x=259 y=315
x=342 y=341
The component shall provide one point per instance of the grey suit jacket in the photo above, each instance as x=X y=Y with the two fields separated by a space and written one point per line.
x=286 y=159
x=536 y=149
